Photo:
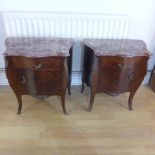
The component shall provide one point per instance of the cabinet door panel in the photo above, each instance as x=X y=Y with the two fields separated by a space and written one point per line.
x=110 y=72
x=48 y=81
x=17 y=80
x=36 y=82
x=124 y=74
x=108 y=79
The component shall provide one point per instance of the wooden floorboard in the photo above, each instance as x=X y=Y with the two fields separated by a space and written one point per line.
x=109 y=129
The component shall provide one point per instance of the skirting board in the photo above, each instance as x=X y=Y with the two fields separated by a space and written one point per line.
x=3 y=79
x=76 y=78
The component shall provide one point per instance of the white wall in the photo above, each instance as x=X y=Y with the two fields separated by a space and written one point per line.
x=143 y=12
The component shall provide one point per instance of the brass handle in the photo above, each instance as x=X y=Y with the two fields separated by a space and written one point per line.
x=38 y=66
x=120 y=65
x=23 y=80
x=130 y=77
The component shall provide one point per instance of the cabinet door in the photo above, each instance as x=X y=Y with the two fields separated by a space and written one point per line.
x=133 y=73
x=110 y=70
x=49 y=81
x=18 y=80
x=36 y=82
x=120 y=74
x=36 y=76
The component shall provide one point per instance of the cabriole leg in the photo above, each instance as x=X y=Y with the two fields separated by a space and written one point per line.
x=19 y=99
x=82 y=87
x=69 y=87
x=63 y=104
x=130 y=99
x=91 y=100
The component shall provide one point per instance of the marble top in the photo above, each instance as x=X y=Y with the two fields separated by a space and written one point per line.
x=120 y=47
x=38 y=47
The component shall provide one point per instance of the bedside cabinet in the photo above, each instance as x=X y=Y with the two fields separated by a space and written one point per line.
x=38 y=67
x=152 y=80
x=114 y=66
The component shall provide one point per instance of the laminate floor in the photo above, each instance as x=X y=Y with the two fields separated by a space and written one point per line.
x=109 y=129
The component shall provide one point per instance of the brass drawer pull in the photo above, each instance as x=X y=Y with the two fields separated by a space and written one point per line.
x=38 y=66
x=120 y=65
x=23 y=80
x=130 y=77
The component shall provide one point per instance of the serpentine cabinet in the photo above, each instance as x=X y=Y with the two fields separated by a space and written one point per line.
x=39 y=67
x=114 y=66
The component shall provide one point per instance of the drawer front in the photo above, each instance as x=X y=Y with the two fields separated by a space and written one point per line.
x=118 y=74
x=122 y=63
x=36 y=82
x=53 y=63
x=111 y=62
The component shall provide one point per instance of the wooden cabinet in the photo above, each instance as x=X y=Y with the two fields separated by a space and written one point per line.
x=152 y=80
x=114 y=72
x=37 y=76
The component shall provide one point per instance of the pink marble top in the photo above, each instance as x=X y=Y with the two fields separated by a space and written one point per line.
x=38 y=47
x=113 y=47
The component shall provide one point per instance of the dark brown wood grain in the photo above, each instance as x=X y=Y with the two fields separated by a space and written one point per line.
x=152 y=80
x=69 y=64
x=38 y=76
x=113 y=75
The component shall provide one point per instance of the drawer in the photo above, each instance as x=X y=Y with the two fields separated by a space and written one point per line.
x=111 y=62
x=52 y=63
x=122 y=63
